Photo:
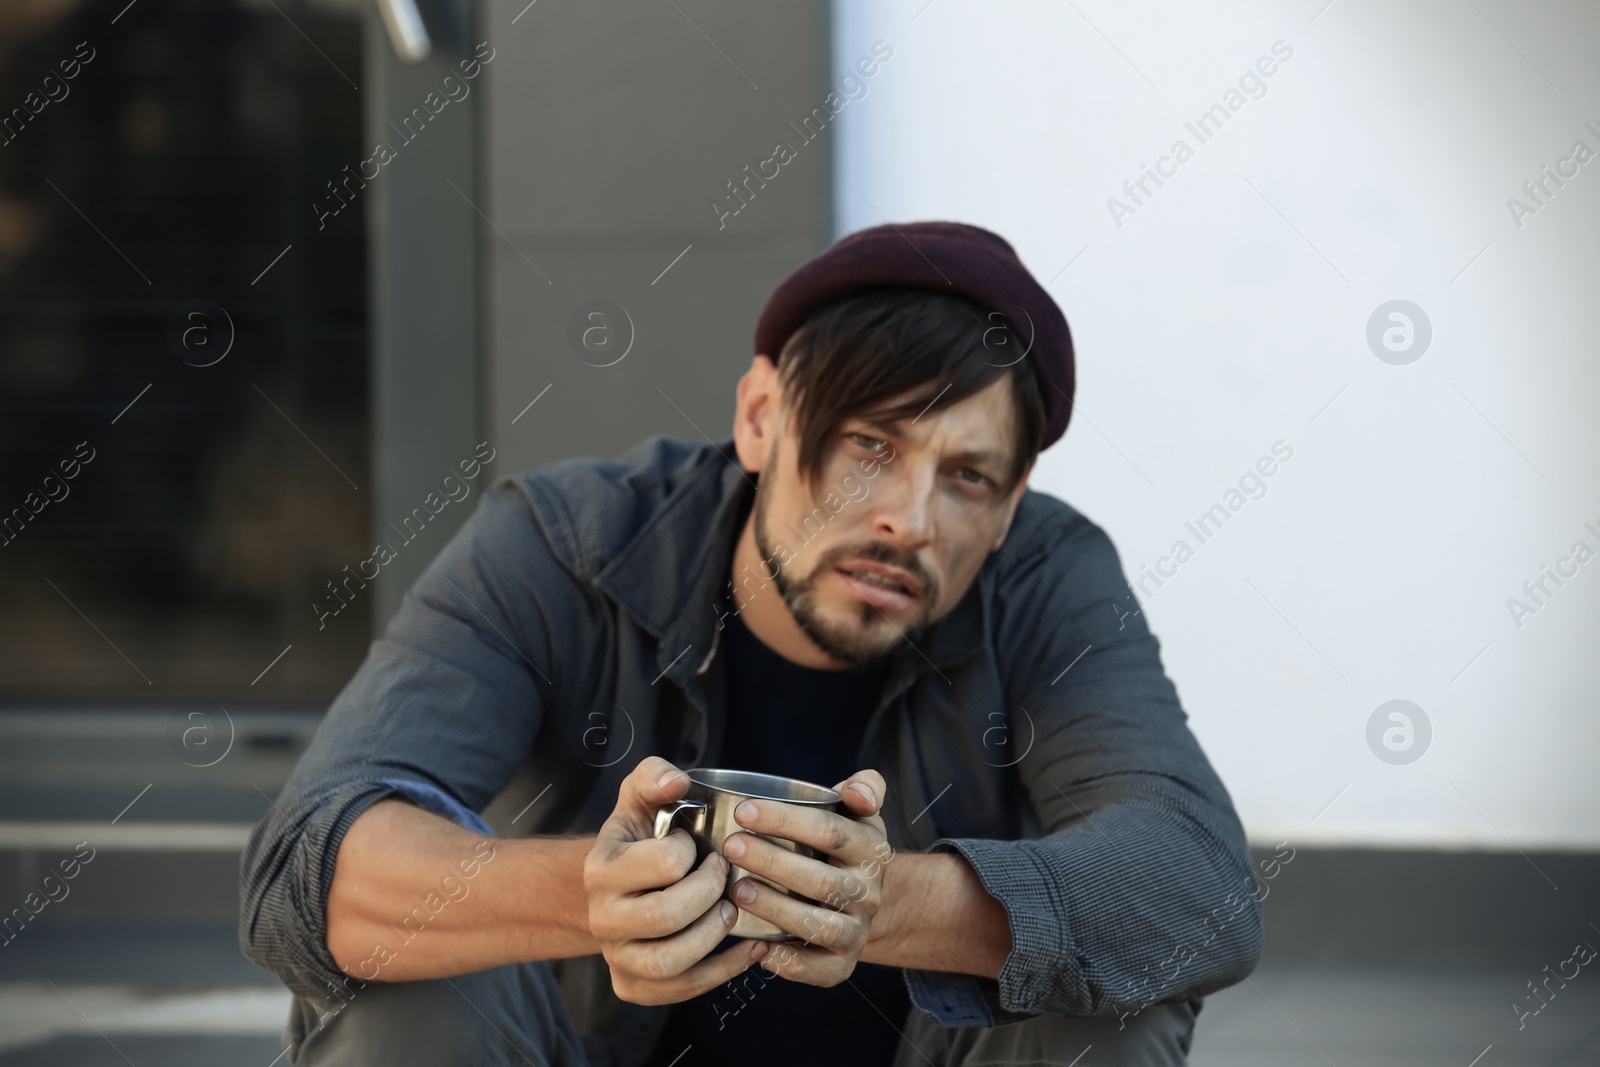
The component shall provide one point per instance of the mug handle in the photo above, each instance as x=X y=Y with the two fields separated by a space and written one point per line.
x=667 y=820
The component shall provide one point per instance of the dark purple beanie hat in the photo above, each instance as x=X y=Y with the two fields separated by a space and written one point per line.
x=948 y=257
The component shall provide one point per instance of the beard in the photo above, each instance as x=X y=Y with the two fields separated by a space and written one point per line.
x=870 y=636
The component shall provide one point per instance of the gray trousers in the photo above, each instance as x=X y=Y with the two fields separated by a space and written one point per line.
x=515 y=1016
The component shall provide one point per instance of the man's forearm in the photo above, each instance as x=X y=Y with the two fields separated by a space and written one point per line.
x=416 y=896
x=936 y=916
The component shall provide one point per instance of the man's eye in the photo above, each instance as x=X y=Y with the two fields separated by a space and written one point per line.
x=967 y=474
x=871 y=444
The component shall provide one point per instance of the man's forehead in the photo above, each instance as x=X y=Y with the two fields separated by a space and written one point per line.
x=981 y=421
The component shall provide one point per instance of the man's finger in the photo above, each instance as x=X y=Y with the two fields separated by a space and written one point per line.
x=650 y=863
x=797 y=962
x=708 y=973
x=666 y=911
x=633 y=865
x=836 y=835
x=824 y=927
x=864 y=792
x=668 y=958
x=831 y=886
x=653 y=784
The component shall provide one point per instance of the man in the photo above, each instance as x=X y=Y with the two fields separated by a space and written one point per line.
x=1039 y=864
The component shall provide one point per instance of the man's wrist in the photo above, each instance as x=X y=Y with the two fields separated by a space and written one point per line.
x=908 y=881
x=882 y=937
x=550 y=906
x=936 y=915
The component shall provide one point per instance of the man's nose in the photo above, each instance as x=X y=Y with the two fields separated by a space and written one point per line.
x=904 y=512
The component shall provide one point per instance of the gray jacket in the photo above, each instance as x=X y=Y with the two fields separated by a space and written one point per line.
x=569 y=629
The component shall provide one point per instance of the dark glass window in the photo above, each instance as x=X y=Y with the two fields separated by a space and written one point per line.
x=183 y=373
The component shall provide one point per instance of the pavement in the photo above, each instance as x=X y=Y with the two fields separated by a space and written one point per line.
x=141 y=965
x=119 y=992
x=178 y=993
x=1390 y=1016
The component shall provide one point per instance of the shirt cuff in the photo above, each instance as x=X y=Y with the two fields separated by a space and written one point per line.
x=432 y=798
x=954 y=999
x=1025 y=887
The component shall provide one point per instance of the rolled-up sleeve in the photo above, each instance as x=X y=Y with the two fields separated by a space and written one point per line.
x=1139 y=889
x=442 y=713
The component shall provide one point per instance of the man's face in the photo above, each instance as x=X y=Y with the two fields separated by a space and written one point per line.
x=890 y=536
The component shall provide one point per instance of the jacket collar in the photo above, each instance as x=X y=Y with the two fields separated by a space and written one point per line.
x=671 y=576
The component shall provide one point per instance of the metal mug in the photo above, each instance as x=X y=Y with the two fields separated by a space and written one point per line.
x=706 y=812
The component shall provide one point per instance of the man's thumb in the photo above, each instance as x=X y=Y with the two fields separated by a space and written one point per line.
x=652 y=783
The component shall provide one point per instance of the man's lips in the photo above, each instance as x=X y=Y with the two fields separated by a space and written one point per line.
x=881 y=578
x=881 y=597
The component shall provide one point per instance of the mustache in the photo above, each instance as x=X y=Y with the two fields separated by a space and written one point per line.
x=878 y=552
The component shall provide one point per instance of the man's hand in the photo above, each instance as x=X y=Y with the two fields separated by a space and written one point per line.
x=849 y=883
x=657 y=920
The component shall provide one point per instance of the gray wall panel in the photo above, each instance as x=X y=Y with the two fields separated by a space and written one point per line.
x=607 y=132
x=692 y=336
x=425 y=312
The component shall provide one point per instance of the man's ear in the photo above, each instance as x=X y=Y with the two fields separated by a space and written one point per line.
x=1011 y=508
x=756 y=409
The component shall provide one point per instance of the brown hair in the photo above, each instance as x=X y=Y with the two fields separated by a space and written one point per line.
x=851 y=356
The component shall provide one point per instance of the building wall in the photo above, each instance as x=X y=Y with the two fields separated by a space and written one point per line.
x=1226 y=312
x=608 y=134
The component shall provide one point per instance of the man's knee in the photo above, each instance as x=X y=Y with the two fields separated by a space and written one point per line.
x=1158 y=1036
x=506 y=1015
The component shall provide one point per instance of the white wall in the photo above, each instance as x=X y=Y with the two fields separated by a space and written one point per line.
x=1232 y=307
